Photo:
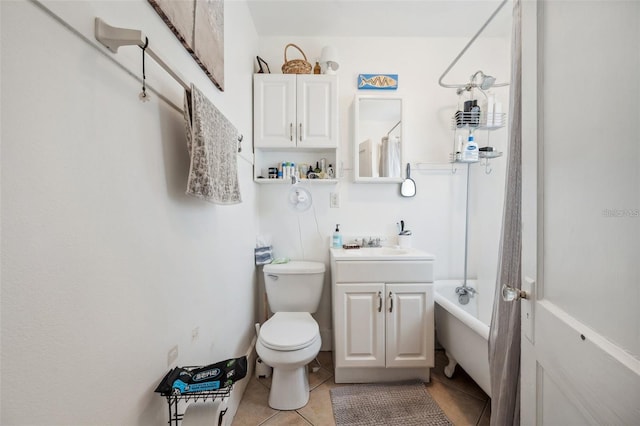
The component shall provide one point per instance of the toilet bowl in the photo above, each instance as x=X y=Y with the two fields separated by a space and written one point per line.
x=290 y=339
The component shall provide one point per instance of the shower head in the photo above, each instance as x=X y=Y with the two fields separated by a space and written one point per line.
x=486 y=81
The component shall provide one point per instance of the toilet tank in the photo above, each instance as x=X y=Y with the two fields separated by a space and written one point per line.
x=295 y=286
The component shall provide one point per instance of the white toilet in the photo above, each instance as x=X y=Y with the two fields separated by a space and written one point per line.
x=290 y=339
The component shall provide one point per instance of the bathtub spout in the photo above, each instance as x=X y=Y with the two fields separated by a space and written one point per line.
x=464 y=293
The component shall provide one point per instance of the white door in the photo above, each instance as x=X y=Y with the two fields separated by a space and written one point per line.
x=317 y=99
x=581 y=227
x=359 y=325
x=274 y=106
x=409 y=325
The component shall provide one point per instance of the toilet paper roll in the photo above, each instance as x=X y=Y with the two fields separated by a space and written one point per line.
x=204 y=413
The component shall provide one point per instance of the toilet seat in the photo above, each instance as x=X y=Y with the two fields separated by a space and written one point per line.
x=289 y=331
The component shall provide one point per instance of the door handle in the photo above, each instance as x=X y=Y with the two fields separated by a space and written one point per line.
x=291 y=132
x=390 y=302
x=300 y=132
x=509 y=294
x=379 y=301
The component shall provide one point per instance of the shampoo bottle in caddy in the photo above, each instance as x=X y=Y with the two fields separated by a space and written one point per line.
x=337 y=237
x=470 y=151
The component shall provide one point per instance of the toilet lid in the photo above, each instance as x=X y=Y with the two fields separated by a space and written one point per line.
x=289 y=331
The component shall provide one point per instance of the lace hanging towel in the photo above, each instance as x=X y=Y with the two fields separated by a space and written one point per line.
x=213 y=146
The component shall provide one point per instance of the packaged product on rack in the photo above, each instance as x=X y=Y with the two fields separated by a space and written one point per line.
x=185 y=380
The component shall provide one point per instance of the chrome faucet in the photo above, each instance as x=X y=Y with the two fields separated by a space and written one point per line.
x=373 y=242
x=464 y=292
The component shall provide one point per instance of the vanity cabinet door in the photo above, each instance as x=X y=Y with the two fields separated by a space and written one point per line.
x=409 y=325
x=359 y=325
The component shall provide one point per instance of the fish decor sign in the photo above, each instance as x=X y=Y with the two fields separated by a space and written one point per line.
x=377 y=81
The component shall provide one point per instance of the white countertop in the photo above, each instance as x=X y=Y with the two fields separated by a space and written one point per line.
x=380 y=253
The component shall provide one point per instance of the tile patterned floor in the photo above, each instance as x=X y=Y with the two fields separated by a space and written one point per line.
x=460 y=398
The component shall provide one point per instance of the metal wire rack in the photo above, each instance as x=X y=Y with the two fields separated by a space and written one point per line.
x=175 y=417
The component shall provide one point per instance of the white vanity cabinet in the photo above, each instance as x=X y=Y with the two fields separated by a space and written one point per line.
x=383 y=316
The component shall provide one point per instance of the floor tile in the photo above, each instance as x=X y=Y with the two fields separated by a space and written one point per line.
x=254 y=406
x=289 y=418
x=460 y=380
x=326 y=360
x=319 y=377
x=265 y=381
x=460 y=398
x=318 y=410
x=485 y=419
x=460 y=407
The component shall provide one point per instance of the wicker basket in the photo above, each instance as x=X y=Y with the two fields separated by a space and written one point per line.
x=295 y=66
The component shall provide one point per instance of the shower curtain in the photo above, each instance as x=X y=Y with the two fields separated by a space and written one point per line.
x=504 y=334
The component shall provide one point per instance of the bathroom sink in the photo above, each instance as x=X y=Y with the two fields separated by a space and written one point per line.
x=384 y=251
x=381 y=253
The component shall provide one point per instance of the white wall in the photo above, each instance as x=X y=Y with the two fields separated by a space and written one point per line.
x=436 y=214
x=106 y=263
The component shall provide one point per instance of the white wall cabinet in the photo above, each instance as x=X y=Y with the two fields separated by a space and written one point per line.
x=295 y=119
x=383 y=318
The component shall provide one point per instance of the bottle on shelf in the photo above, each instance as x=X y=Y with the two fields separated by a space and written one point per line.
x=330 y=172
x=470 y=151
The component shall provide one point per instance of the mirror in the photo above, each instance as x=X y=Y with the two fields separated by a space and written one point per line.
x=408 y=187
x=378 y=150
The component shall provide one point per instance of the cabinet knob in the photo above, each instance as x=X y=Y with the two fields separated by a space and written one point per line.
x=379 y=301
x=390 y=301
x=300 y=132
x=291 y=132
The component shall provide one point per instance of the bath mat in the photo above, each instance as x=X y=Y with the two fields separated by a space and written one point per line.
x=405 y=403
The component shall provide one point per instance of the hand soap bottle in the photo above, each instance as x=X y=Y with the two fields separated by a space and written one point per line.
x=337 y=237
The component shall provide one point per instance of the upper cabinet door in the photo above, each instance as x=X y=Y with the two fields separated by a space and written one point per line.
x=274 y=105
x=317 y=110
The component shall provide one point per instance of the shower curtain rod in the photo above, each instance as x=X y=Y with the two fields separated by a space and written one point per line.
x=462 y=52
x=113 y=38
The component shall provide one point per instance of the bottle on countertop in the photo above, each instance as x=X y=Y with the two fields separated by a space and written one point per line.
x=337 y=237
x=316 y=69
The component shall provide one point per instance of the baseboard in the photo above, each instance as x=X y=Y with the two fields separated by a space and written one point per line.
x=241 y=386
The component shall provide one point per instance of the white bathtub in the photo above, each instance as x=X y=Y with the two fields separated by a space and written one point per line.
x=463 y=330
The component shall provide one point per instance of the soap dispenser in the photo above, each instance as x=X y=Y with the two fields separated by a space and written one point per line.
x=337 y=237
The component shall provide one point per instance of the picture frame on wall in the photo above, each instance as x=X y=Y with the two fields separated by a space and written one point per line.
x=377 y=81
x=199 y=25
x=263 y=67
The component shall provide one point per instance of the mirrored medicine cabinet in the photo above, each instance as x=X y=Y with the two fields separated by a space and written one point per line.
x=378 y=139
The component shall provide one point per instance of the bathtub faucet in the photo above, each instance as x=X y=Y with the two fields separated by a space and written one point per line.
x=464 y=293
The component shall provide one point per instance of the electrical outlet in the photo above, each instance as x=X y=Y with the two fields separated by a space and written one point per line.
x=195 y=333
x=172 y=356
x=334 y=200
